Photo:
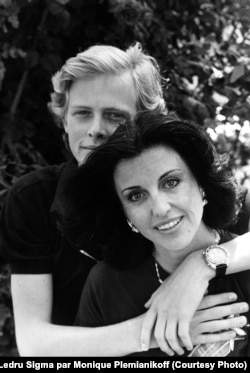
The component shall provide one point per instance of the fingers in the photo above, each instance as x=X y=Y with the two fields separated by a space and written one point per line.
x=151 y=299
x=221 y=311
x=171 y=337
x=224 y=324
x=183 y=332
x=147 y=327
x=214 y=300
x=148 y=303
x=160 y=337
x=219 y=330
x=165 y=337
x=212 y=338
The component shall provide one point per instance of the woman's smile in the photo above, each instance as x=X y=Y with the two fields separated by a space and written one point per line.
x=173 y=223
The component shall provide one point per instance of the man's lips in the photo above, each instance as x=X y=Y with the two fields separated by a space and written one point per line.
x=89 y=147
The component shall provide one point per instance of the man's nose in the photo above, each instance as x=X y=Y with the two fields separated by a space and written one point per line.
x=97 y=129
x=160 y=205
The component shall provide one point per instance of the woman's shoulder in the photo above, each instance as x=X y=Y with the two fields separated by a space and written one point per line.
x=102 y=269
x=103 y=273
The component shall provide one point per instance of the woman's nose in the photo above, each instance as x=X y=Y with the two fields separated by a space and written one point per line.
x=161 y=206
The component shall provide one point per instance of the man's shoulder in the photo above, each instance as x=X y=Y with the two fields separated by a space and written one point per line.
x=35 y=189
x=48 y=175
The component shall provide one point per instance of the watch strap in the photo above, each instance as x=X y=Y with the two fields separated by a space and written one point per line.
x=221 y=270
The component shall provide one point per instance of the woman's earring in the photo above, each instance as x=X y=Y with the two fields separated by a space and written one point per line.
x=204 y=200
x=133 y=228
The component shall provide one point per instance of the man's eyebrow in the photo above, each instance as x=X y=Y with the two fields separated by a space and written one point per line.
x=80 y=106
x=124 y=112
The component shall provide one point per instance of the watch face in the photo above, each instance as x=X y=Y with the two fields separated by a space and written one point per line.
x=217 y=255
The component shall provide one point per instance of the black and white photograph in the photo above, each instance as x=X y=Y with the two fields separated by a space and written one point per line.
x=124 y=184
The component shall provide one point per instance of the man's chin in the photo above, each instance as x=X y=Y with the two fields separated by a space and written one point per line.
x=83 y=153
x=81 y=158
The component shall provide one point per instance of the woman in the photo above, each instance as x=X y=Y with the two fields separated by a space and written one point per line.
x=161 y=194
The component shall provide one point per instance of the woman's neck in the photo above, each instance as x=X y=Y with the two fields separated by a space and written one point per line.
x=170 y=259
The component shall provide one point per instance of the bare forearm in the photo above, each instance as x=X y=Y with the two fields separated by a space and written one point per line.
x=45 y=339
x=37 y=336
x=239 y=250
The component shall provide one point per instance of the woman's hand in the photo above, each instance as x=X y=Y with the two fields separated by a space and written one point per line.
x=173 y=305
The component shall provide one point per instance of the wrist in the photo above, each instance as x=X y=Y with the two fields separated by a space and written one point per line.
x=134 y=329
x=217 y=258
x=197 y=258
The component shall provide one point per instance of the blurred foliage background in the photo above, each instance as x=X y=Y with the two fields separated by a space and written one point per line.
x=203 y=48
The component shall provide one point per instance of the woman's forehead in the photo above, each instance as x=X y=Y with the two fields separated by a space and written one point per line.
x=153 y=162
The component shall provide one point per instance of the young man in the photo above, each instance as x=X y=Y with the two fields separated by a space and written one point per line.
x=93 y=93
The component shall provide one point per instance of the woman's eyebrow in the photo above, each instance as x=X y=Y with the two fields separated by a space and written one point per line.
x=131 y=188
x=136 y=187
x=168 y=173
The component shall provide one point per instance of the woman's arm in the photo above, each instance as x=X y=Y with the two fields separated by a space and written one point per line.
x=239 y=254
x=172 y=306
x=36 y=336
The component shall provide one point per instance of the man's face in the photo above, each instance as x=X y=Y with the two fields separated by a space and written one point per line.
x=96 y=107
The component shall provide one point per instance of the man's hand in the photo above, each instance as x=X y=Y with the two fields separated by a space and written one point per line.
x=211 y=323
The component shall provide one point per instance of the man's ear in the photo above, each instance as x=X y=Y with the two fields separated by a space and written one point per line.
x=247 y=201
x=65 y=125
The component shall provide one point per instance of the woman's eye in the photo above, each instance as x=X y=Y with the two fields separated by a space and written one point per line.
x=171 y=183
x=135 y=197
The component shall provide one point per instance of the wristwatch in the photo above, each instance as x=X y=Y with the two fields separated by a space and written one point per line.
x=217 y=257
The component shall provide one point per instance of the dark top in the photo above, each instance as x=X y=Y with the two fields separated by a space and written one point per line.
x=111 y=296
x=31 y=239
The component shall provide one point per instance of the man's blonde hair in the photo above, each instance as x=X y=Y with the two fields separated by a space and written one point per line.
x=109 y=60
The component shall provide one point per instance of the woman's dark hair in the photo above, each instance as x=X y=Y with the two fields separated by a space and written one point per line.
x=98 y=210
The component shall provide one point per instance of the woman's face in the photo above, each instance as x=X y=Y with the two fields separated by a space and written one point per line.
x=161 y=197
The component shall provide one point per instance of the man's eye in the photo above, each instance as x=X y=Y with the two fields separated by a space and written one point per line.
x=171 y=183
x=116 y=117
x=82 y=113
